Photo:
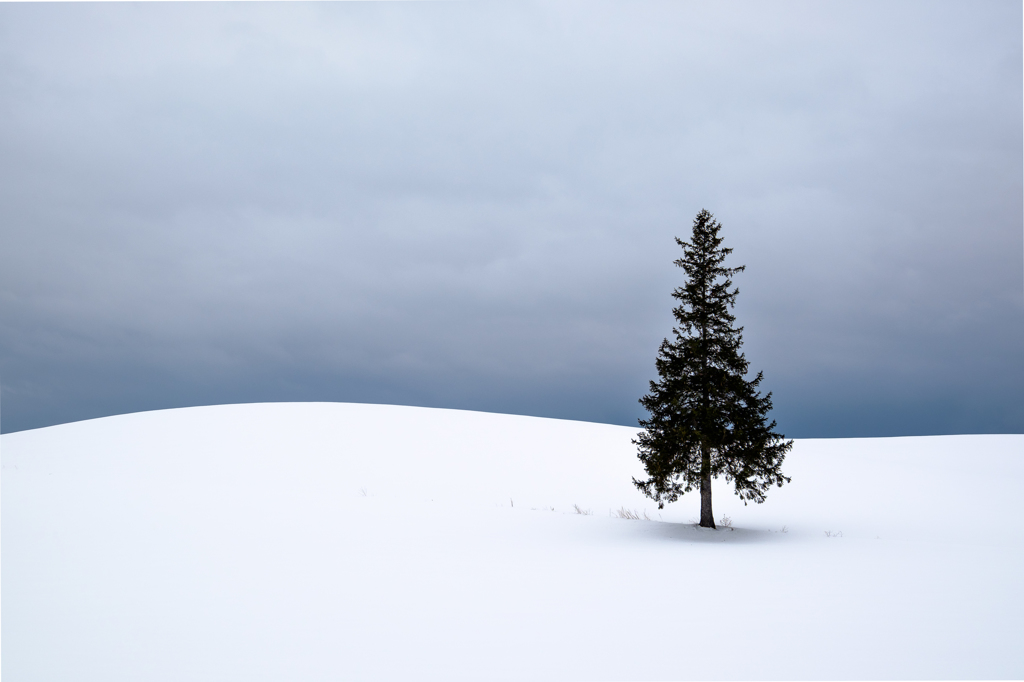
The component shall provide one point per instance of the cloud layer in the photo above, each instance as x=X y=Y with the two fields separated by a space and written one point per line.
x=472 y=205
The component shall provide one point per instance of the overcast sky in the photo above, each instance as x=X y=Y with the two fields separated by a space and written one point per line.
x=473 y=205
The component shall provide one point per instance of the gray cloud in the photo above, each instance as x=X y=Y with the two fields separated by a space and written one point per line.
x=472 y=205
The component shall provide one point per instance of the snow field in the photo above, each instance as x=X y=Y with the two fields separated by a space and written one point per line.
x=322 y=541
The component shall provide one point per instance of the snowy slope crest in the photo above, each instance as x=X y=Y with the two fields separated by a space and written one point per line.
x=323 y=541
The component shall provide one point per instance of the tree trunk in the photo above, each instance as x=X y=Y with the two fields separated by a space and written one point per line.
x=707 y=517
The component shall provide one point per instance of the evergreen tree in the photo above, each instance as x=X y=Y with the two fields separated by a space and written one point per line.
x=706 y=420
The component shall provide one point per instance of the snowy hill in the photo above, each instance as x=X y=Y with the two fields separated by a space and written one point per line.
x=326 y=541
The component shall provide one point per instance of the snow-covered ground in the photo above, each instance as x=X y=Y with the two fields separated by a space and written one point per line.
x=324 y=541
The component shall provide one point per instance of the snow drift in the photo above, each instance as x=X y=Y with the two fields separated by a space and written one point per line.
x=326 y=541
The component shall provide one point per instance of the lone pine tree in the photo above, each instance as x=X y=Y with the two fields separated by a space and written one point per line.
x=706 y=420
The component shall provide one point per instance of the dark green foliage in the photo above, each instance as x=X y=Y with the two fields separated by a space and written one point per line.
x=706 y=420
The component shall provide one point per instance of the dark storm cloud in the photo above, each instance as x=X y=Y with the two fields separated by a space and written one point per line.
x=472 y=205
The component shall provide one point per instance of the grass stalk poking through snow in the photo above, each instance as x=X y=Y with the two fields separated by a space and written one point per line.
x=632 y=515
